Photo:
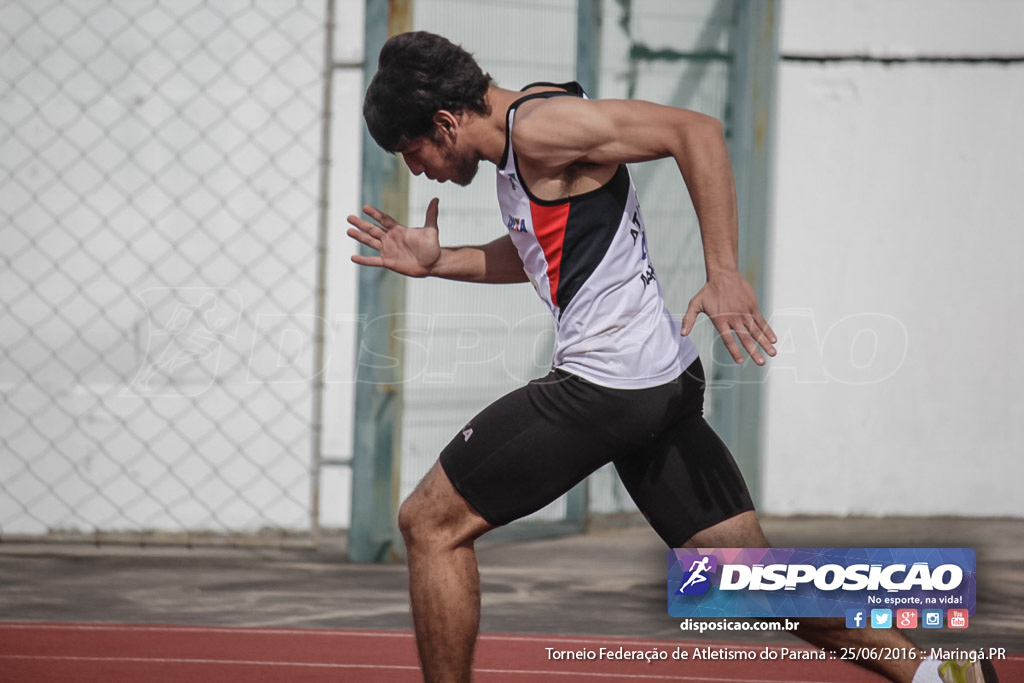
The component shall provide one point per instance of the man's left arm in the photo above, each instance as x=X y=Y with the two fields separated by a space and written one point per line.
x=726 y=297
x=607 y=132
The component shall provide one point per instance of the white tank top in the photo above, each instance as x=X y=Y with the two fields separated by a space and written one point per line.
x=587 y=258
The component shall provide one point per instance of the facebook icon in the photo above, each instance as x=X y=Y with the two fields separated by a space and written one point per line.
x=856 y=618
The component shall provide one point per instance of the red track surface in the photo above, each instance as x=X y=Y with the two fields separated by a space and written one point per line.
x=44 y=653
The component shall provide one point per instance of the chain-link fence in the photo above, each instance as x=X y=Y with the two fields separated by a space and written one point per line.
x=162 y=290
x=159 y=180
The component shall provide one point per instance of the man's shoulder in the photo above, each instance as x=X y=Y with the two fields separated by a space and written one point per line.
x=546 y=97
x=545 y=119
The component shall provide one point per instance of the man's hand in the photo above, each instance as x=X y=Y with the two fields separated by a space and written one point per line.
x=729 y=300
x=409 y=251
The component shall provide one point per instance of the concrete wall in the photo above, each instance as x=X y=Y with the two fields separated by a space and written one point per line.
x=895 y=277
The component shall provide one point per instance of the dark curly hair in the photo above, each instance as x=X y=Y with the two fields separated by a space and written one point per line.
x=418 y=75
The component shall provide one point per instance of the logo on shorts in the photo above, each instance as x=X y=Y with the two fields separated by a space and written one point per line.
x=695 y=580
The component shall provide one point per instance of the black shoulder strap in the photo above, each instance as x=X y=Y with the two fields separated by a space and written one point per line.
x=572 y=87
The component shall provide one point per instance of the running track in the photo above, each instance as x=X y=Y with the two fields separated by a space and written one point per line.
x=111 y=653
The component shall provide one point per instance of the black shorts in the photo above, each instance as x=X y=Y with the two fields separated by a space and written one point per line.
x=529 y=447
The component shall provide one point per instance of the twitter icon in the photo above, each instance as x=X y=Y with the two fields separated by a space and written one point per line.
x=881 y=618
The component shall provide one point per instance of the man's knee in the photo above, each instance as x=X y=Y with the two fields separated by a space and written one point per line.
x=435 y=515
x=417 y=519
x=740 y=531
x=407 y=518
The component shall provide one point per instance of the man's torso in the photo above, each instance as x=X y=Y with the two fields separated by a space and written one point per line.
x=587 y=257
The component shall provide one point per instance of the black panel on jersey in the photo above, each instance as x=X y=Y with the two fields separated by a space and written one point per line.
x=593 y=216
x=593 y=221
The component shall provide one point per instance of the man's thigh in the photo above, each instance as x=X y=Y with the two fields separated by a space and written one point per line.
x=531 y=446
x=686 y=483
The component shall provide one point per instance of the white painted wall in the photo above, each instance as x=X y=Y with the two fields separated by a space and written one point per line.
x=895 y=280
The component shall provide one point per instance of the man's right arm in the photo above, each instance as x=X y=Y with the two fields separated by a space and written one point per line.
x=496 y=263
x=416 y=252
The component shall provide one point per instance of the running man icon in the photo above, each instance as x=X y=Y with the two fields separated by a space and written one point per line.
x=698 y=568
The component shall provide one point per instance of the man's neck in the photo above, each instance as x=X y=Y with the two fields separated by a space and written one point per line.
x=488 y=132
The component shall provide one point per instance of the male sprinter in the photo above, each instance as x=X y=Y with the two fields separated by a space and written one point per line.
x=625 y=386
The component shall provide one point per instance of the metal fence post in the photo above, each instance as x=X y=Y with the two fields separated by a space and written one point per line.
x=737 y=401
x=373 y=534
x=588 y=72
x=589 y=20
x=320 y=295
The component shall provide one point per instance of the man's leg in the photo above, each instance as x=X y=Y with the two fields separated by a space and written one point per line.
x=513 y=458
x=744 y=531
x=439 y=528
x=691 y=491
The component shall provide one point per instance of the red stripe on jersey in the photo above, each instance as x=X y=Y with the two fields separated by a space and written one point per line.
x=549 y=226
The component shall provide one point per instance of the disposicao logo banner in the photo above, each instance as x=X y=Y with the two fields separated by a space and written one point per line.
x=817 y=582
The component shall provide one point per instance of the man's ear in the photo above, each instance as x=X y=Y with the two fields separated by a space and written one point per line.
x=446 y=123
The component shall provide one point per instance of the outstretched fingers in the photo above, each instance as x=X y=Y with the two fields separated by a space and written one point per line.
x=763 y=334
x=370 y=234
x=753 y=335
x=364 y=234
x=407 y=251
x=384 y=219
x=732 y=308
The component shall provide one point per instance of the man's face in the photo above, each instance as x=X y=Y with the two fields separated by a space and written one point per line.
x=440 y=160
